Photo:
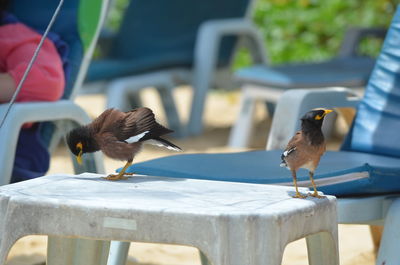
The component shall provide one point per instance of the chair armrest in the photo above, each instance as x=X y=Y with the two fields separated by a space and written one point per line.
x=354 y=36
x=295 y=102
x=206 y=57
x=44 y=111
x=212 y=31
x=21 y=113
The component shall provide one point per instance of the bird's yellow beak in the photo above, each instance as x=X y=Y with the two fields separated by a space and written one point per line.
x=327 y=111
x=79 y=156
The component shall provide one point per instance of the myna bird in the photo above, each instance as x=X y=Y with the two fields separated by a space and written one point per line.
x=119 y=135
x=305 y=149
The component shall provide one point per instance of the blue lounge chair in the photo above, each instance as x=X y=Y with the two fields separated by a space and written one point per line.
x=263 y=83
x=84 y=18
x=163 y=44
x=364 y=174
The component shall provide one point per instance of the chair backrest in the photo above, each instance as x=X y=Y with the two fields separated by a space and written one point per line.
x=77 y=25
x=376 y=128
x=167 y=30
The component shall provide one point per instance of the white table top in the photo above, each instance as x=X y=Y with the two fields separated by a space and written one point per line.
x=233 y=223
x=155 y=194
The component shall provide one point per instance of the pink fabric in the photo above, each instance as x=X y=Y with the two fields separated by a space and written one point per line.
x=45 y=81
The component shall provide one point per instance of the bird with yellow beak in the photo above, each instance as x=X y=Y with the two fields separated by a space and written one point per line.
x=119 y=135
x=306 y=147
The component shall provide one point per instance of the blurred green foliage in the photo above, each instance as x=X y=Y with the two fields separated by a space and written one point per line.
x=311 y=30
x=305 y=30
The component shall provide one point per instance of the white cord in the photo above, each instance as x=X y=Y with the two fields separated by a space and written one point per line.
x=28 y=69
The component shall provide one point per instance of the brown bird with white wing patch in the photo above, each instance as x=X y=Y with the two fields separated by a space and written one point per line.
x=306 y=147
x=119 y=135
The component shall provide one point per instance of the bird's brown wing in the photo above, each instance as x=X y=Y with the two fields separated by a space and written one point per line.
x=103 y=121
x=106 y=120
x=291 y=148
x=296 y=139
x=116 y=149
x=138 y=121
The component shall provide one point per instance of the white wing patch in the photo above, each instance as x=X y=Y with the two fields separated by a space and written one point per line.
x=136 y=138
x=284 y=155
x=161 y=144
x=287 y=152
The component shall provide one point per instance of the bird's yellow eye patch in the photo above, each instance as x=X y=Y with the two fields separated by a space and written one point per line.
x=79 y=146
x=319 y=117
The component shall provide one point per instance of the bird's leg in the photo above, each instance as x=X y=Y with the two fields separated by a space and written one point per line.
x=121 y=174
x=298 y=195
x=128 y=164
x=315 y=194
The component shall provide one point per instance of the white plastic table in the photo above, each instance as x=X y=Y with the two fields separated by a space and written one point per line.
x=231 y=223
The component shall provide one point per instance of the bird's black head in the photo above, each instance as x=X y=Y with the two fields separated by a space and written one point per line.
x=311 y=124
x=80 y=140
x=315 y=117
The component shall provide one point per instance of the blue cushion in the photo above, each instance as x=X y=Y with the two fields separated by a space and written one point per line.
x=106 y=69
x=374 y=174
x=376 y=126
x=348 y=72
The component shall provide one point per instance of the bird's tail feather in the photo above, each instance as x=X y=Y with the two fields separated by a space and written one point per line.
x=164 y=143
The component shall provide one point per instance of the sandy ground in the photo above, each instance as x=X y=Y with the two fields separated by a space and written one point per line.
x=354 y=240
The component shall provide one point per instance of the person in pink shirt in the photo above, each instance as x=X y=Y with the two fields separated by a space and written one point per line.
x=45 y=82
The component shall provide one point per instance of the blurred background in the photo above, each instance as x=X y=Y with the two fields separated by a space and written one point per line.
x=292 y=31
x=303 y=30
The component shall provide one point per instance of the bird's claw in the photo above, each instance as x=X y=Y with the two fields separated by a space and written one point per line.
x=316 y=195
x=113 y=177
x=299 y=196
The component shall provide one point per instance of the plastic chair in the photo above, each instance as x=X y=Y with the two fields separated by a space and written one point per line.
x=163 y=44
x=266 y=84
x=85 y=18
x=364 y=173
